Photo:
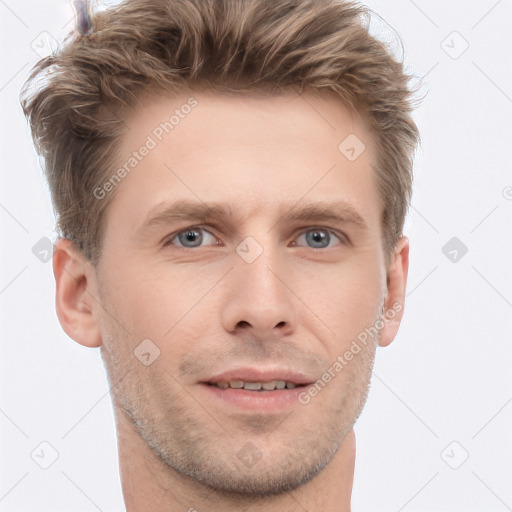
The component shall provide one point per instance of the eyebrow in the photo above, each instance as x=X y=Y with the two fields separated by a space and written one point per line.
x=167 y=212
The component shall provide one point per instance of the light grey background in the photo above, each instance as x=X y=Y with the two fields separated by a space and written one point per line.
x=440 y=393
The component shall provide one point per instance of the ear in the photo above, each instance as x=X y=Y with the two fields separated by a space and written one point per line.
x=76 y=300
x=395 y=298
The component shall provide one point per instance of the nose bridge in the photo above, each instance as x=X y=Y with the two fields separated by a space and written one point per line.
x=260 y=266
x=259 y=298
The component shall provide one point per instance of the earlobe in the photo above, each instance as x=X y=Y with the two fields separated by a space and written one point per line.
x=395 y=300
x=75 y=300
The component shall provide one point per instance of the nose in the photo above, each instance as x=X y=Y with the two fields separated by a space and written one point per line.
x=259 y=300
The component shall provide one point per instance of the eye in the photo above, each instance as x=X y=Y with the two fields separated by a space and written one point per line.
x=191 y=238
x=319 y=238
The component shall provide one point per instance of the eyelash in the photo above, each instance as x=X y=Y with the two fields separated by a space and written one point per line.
x=342 y=238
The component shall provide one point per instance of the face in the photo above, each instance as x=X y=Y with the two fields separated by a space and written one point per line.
x=267 y=271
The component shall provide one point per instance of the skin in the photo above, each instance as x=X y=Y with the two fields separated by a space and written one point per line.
x=207 y=309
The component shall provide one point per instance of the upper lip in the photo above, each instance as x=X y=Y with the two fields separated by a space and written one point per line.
x=261 y=375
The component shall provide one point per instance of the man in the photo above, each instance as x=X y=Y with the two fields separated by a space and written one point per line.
x=231 y=180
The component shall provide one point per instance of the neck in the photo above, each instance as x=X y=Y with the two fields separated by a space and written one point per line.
x=150 y=485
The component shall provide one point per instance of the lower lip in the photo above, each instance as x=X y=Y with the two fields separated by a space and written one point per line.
x=266 y=401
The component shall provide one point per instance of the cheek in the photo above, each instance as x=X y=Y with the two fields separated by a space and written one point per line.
x=158 y=304
x=166 y=301
x=345 y=297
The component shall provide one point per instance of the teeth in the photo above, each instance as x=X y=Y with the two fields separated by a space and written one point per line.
x=256 y=386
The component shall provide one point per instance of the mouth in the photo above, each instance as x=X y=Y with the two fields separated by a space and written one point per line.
x=256 y=386
x=257 y=391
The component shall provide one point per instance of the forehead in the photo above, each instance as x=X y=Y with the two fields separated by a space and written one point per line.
x=248 y=151
x=210 y=112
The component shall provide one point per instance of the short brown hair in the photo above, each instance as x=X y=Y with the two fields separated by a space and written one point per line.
x=75 y=98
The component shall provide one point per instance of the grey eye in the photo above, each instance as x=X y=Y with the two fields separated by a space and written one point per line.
x=319 y=238
x=191 y=238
